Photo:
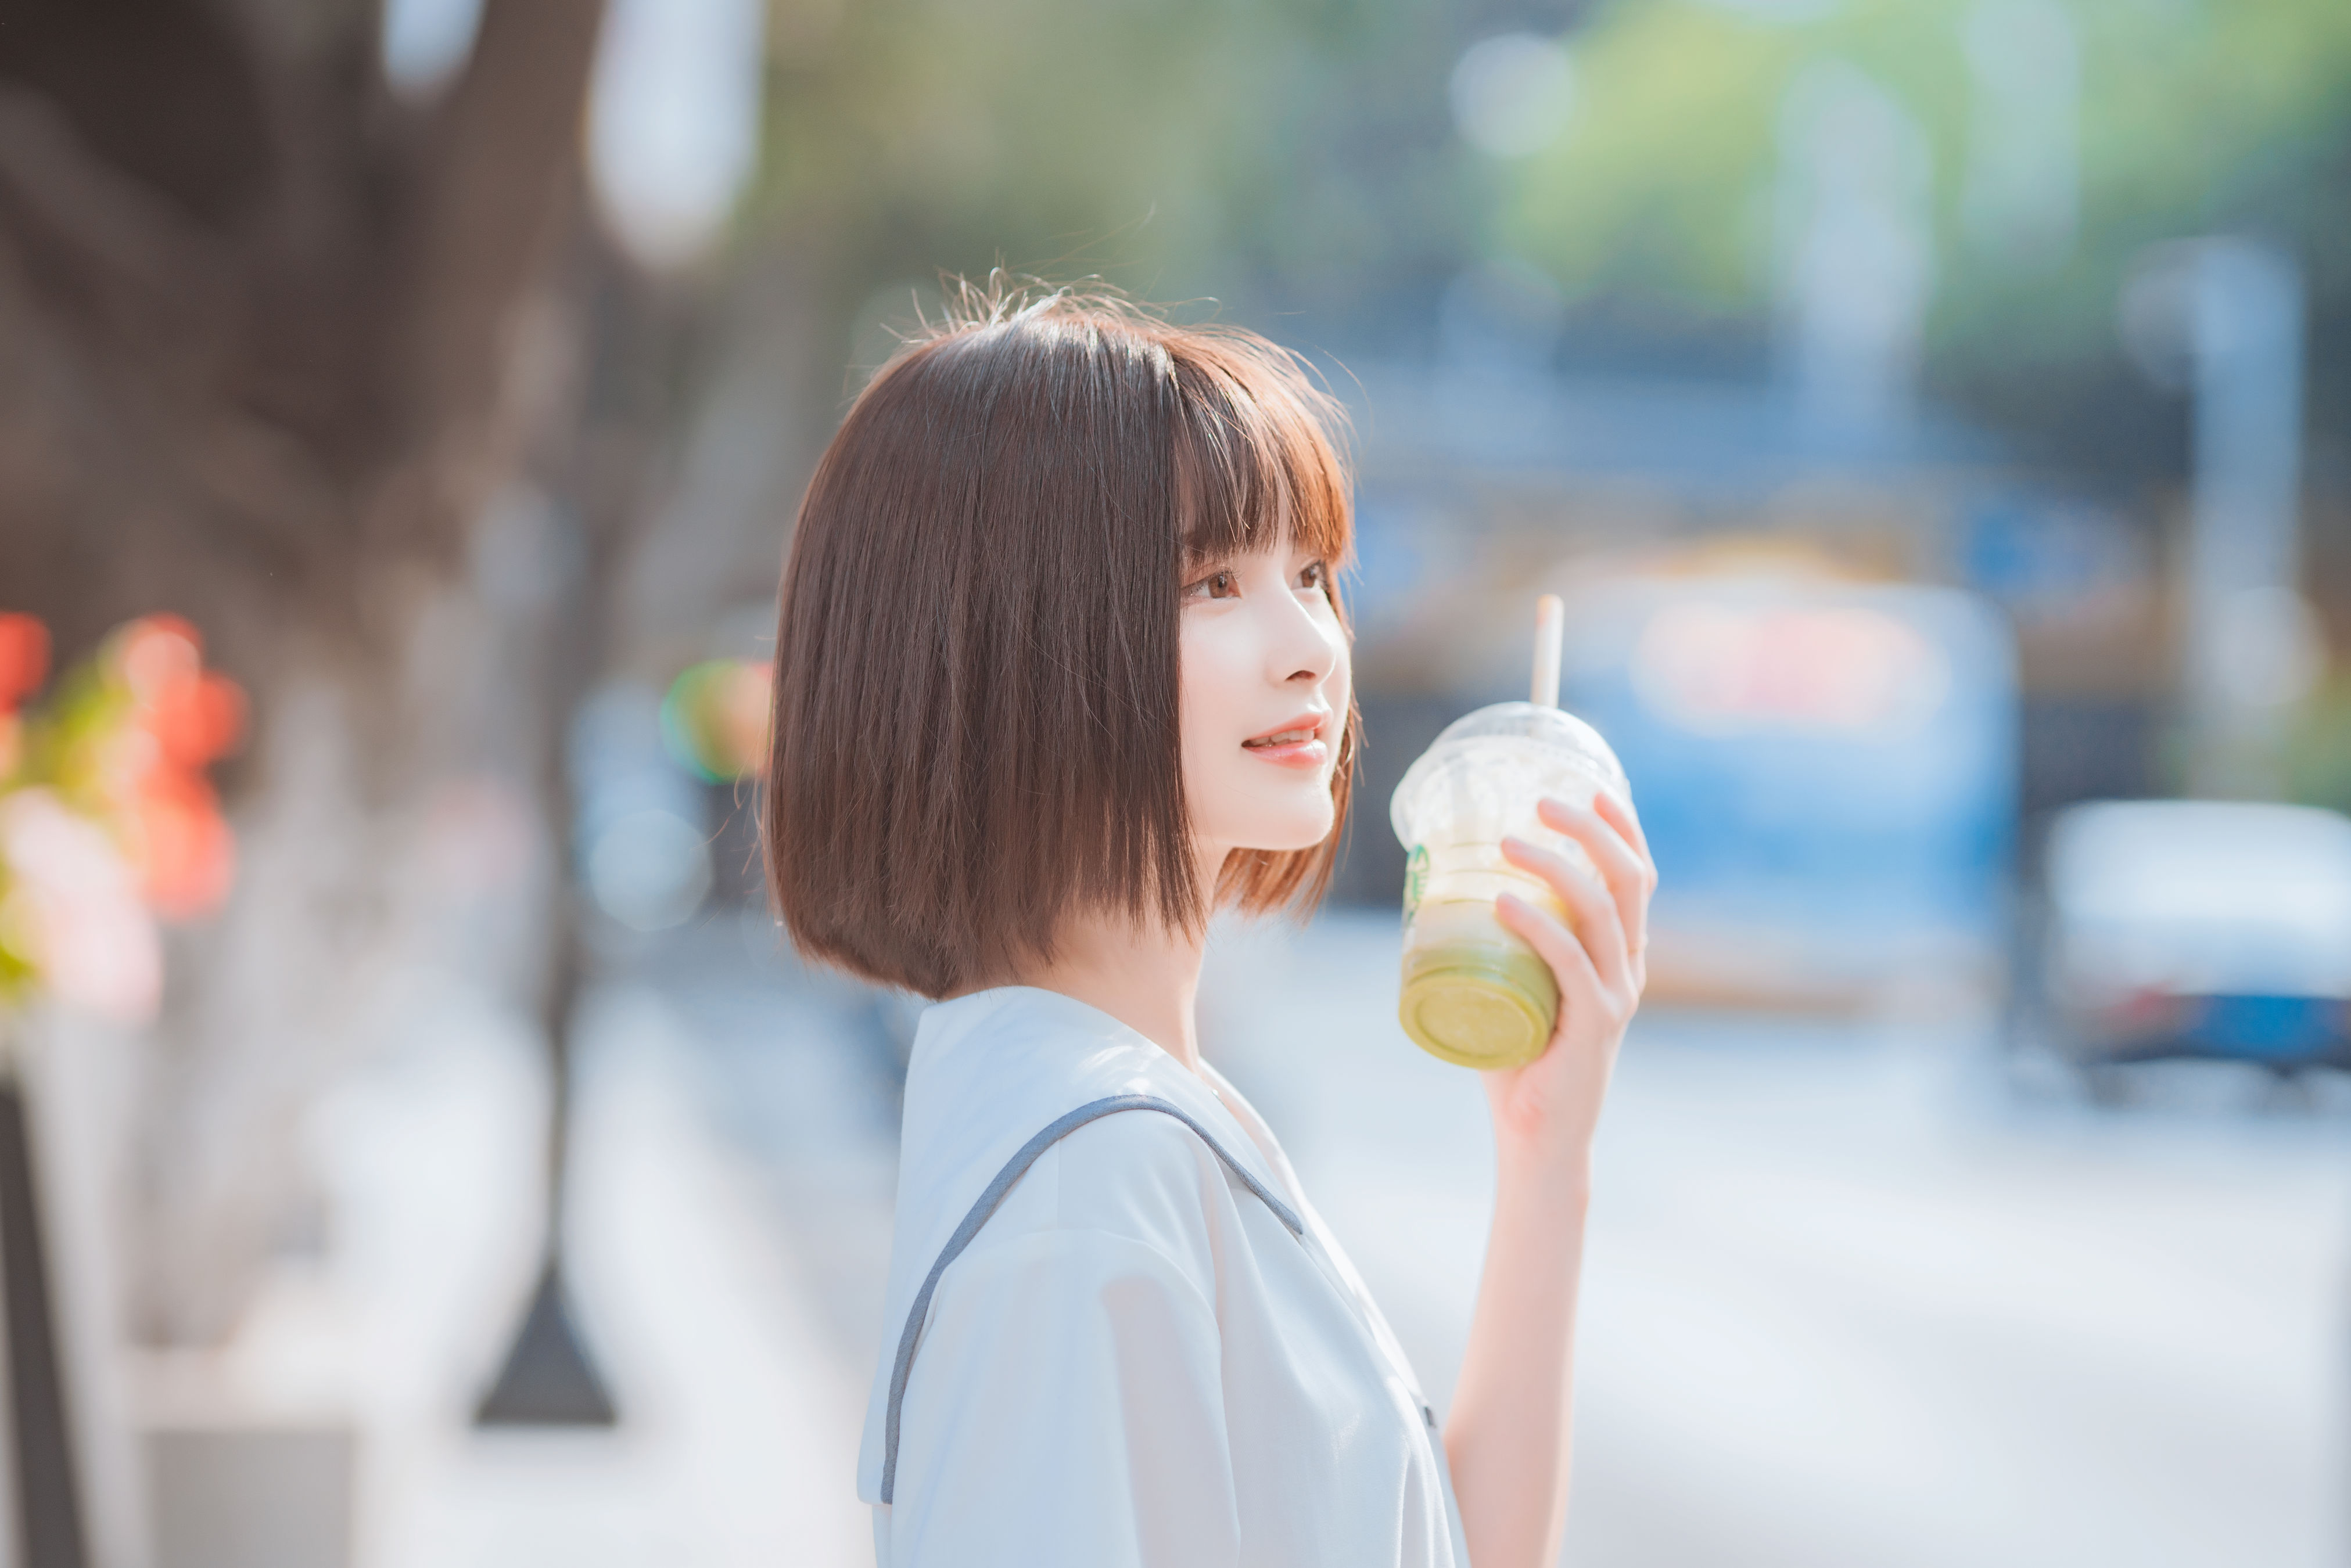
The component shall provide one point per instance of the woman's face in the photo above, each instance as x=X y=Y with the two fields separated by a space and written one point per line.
x=1265 y=685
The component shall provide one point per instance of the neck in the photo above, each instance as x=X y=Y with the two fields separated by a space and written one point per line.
x=1145 y=976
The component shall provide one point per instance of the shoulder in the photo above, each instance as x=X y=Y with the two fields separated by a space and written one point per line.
x=1143 y=1154
x=1133 y=1178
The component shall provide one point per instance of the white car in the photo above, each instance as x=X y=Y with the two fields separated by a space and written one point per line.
x=2178 y=928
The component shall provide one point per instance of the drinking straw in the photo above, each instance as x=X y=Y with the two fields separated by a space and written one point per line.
x=1550 y=623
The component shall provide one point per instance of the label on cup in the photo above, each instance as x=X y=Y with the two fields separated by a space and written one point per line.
x=1416 y=882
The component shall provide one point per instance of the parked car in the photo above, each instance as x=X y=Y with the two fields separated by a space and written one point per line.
x=2191 y=928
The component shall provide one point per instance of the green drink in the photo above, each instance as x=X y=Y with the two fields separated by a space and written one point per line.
x=1473 y=993
x=1472 y=999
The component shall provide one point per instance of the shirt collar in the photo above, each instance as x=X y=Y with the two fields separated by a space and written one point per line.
x=989 y=1069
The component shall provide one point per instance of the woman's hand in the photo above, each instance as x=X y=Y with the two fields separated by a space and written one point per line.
x=1546 y=1110
x=1507 y=1434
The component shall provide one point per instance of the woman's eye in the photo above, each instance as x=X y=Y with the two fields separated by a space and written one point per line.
x=1215 y=586
x=1316 y=576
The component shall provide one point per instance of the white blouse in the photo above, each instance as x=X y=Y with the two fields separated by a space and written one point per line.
x=1132 y=1359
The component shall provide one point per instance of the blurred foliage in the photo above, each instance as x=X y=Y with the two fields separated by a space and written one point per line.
x=1297 y=157
x=1297 y=151
x=2319 y=750
x=106 y=811
x=126 y=741
x=2194 y=117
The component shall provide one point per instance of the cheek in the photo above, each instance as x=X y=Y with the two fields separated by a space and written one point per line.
x=1232 y=797
x=1213 y=688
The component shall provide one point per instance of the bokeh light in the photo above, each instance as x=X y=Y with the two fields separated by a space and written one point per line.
x=715 y=717
x=1512 y=93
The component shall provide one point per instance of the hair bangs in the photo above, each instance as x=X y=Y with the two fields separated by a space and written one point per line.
x=1257 y=454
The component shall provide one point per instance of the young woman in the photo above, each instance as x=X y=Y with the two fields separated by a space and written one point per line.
x=1061 y=668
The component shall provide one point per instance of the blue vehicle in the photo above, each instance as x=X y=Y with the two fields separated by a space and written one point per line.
x=2203 y=929
x=1827 y=771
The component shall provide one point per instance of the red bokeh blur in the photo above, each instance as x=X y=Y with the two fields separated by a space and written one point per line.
x=24 y=658
x=197 y=721
x=183 y=718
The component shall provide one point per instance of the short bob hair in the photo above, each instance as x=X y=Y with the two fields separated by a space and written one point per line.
x=974 y=730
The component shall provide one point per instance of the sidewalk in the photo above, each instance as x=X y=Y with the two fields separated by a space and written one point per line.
x=738 y=1421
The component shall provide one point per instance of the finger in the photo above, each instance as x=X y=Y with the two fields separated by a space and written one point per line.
x=1621 y=829
x=1598 y=926
x=1629 y=877
x=1625 y=820
x=1580 y=985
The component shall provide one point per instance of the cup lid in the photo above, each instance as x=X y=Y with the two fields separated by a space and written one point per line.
x=1551 y=727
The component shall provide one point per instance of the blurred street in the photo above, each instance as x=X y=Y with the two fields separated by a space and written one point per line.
x=1852 y=1300
x=1934 y=420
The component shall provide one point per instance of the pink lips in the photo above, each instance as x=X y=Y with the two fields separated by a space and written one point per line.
x=1297 y=745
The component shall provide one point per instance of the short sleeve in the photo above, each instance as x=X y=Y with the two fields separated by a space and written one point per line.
x=1065 y=1410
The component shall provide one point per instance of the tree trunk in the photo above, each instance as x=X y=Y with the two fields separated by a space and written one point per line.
x=269 y=341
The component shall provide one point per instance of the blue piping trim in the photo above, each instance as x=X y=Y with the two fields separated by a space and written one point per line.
x=1014 y=1169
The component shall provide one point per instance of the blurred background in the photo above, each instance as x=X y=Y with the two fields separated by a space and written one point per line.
x=416 y=1146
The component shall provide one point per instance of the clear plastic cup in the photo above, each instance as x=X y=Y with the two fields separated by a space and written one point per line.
x=1474 y=992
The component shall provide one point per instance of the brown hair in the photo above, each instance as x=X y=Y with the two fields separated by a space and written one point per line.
x=975 y=720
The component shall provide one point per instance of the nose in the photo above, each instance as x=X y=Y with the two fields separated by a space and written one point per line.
x=1306 y=646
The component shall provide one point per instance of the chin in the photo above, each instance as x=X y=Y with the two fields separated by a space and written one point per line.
x=1271 y=815
x=1281 y=832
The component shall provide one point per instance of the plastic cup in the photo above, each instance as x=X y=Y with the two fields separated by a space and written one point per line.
x=1474 y=993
